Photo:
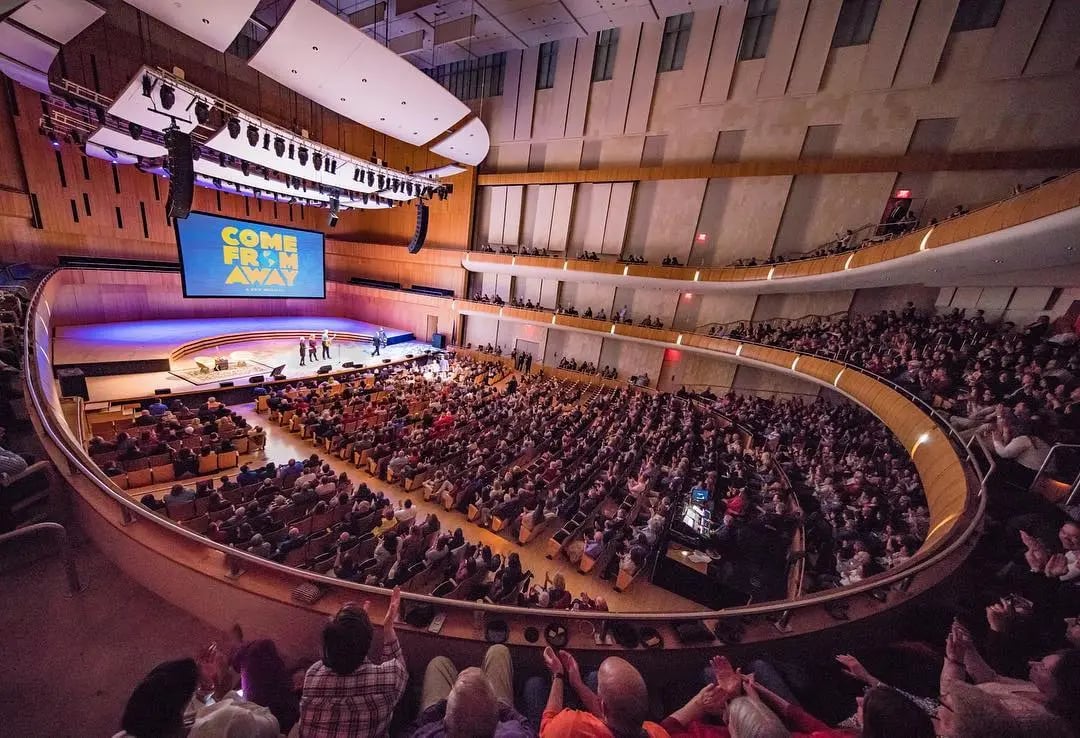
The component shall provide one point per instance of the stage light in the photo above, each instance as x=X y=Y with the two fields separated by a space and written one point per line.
x=234 y=128
x=374 y=155
x=370 y=178
x=147 y=85
x=266 y=141
x=382 y=183
x=53 y=140
x=252 y=135
x=112 y=152
x=245 y=168
x=217 y=182
x=167 y=95
x=266 y=173
x=316 y=160
x=196 y=152
x=301 y=156
x=364 y=198
x=279 y=146
x=333 y=166
x=221 y=160
x=356 y=174
x=292 y=150
x=99 y=112
x=202 y=112
x=135 y=130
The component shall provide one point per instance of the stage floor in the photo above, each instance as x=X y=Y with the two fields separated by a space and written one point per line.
x=148 y=340
x=269 y=352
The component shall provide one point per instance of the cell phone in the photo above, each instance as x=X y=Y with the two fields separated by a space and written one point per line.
x=437 y=623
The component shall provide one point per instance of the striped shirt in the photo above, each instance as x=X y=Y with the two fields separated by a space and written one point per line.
x=11 y=463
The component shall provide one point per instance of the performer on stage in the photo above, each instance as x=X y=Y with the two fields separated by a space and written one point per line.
x=327 y=339
x=303 y=350
x=313 y=352
x=378 y=341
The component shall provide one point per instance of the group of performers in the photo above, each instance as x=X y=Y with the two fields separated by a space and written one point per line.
x=309 y=347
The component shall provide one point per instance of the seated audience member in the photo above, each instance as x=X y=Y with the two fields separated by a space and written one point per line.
x=617 y=709
x=346 y=695
x=179 y=494
x=474 y=703
x=157 y=706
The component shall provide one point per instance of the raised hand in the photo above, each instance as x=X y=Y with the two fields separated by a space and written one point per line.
x=570 y=667
x=392 y=609
x=854 y=668
x=552 y=662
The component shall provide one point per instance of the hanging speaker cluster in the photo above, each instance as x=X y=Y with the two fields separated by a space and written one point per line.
x=420 y=234
x=181 y=172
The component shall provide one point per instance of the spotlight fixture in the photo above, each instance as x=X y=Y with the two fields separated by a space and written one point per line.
x=266 y=173
x=111 y=152
x=135 y=130
x=266 y=141
x=279 y=146
x=221 y=160
x=234 y=128
x=54 y=141
x=99 y=112
x=356 y=174
x=442 y=193
x=252 y=135
x=76 y=138
x=147 y=85
x=292 y=150
x=316 y=160
x=364 y=198
x=374 y=156
x=382 y=183
x=333 y=166
x=196 y=152
x=202 y=112
x=167 y=95
x=245 y=168
x=370 y=178
x=301 y=155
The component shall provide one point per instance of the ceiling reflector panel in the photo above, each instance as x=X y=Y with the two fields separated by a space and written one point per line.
x=468 y=145
x=148 y=111
x=214 y=22
x=60 y=20
x=26 y=48
x=108 y=138
x=322 y=57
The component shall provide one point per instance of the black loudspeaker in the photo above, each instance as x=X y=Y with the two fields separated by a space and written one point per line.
x=348 y=365
x=420 y=235
x=438 y=340
x=325 y=369
x=163 y=391
x=181 y=173
x=225 y=384
x=386 y=361
x=72 y=383
x=257 y=379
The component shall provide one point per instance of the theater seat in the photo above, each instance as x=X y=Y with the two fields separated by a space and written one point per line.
x=227 y=460
x=25 y=497
x=208 y=464
x=140 y=477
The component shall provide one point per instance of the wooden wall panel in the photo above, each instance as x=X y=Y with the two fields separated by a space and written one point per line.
x=925 y=42
x=1014 y=38
x=886 y=44
x=814 y=45
x=782 y=46
x=725 y=50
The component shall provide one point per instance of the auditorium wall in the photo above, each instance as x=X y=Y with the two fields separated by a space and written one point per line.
x=88 y=206
x=96 y=296
x=915 y=89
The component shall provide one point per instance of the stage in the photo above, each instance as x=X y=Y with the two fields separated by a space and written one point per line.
x=126 y=360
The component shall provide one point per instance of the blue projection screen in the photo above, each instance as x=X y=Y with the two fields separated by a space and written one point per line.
x=230 y=257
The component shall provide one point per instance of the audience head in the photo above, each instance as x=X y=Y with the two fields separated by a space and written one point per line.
x=472 y=710
x=750 y=718
x=346 y=640
x=156 y=707
x=968 y=712
x=888 y=714
x=1057 y=677
x=624 y=698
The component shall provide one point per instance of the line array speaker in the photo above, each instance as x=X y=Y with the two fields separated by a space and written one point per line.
x=348 y=365
x=257 y=379
x=325 y=369
x=163 y=391
x=181 y=173
x=225 y=384
x=420 y=235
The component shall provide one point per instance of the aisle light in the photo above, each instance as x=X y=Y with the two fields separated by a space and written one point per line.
x=697 y=275
x=626 y=270
x=924 y=438
x=839 y=374
x=771 y=270
x=795 y=363
x=922 y=246
x=738 y=351
x=678 y=341
x=847 y=264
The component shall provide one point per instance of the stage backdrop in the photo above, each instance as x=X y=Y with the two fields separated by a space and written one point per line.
x=230 y=257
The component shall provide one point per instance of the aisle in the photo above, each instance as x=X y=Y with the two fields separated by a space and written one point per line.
x=643 y=597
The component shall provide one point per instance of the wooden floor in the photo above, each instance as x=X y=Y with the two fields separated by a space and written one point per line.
x=642 y=596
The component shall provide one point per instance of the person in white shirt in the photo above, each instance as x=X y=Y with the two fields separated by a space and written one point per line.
x=406 y=513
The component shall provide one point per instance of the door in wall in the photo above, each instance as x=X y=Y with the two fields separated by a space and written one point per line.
x=432 y=327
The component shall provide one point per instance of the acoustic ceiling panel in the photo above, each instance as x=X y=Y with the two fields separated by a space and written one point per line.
x=149 y=112
x=447 y=170
x=214 y=22
x=319 y=55
x=60 y=20
x=108 y=138
x=99 y=152
x=468 y=145
x=26 y=48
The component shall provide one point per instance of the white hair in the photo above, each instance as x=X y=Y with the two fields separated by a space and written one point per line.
x=750 y=718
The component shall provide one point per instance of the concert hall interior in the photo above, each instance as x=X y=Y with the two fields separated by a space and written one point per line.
x=540 y=368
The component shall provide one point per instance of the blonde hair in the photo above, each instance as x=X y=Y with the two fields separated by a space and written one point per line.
x=750 y=718
x=977 y=713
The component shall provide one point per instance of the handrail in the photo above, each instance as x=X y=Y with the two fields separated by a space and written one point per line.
x=786 y=322
x=1075 y=484
x=72 y=574
x=235 y=558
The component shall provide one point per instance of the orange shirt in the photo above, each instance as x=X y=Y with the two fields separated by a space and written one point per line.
x=581 y=724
